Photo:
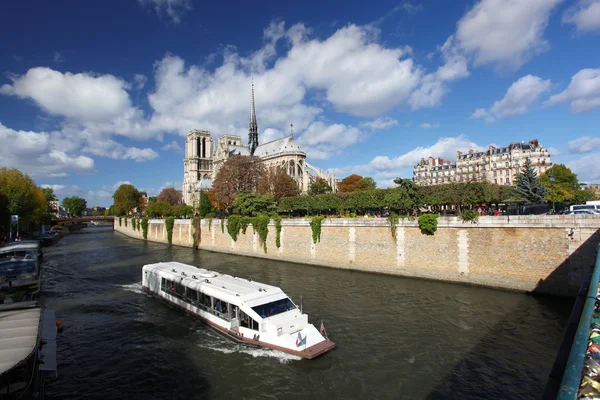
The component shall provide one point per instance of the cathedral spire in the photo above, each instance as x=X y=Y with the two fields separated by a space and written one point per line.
x=253 y=126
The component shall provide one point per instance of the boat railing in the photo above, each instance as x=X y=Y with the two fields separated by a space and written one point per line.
x=574 y=373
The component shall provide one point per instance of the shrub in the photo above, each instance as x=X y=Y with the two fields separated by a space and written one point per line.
x=120 y=218
x=145 y=227
x=470 y=215
x=223 y=225
x=277 y=220
x=125 y=222
x=428 y=223
x=169 y=222
x=315 y=225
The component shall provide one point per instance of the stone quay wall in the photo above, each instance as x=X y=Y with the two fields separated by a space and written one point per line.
x=540 y=254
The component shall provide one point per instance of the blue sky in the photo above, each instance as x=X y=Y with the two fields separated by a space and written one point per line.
x=97 y=93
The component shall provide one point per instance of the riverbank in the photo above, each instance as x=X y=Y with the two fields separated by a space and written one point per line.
x=540 y=254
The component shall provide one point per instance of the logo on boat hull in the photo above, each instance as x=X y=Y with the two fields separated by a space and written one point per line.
x=300 y=341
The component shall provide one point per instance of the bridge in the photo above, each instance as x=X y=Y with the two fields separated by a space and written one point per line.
x=83 y=219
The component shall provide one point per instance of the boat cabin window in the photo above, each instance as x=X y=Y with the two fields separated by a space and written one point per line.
x=221 y=308
x=247 y=322
x=191 y=295
x=274 y=308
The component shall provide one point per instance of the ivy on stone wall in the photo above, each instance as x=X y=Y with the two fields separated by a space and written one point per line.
x=145 y=227
x=223 y=225
x=315 y=225
x=261 y=225
x=234 y=223
x=428 y=223
x=133 y=223
x=169 y=222
x=393 y=220
x=277 y=220
x=125 y=222
x=197 y=231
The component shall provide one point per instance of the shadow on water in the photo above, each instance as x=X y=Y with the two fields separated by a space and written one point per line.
x=468 y=380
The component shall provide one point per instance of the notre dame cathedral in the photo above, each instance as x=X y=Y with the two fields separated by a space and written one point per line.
x=202 y=162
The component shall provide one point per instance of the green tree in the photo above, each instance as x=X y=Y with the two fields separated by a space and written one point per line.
x=171 y=196
x=529 y=186
x=51 y=209
x=250 y=204
x=75 y=206
x=20 y=196
x=126 y=198
x=366 y=184
x=204 y=204
x=566 y=186
x=319 y=186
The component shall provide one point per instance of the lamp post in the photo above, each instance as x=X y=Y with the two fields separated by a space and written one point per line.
x=551 y=177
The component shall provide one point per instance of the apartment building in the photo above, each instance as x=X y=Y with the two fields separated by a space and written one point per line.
x=498 y=165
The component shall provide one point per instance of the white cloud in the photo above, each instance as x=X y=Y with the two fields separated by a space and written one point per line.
x=58 y=57
x=584 y=144
x=39 y=155
x=321 y=141
x=587 y=168
x=517 y=100
x=83 y=96
x=140 y=81
x=504 y=33
x=427 y=125
x=585 y=15
x=174 y=146
x=172 y=9
x=583 y=91
x=379 y=123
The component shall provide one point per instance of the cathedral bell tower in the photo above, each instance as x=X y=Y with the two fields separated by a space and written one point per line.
x=253 y=126
x=197 y=165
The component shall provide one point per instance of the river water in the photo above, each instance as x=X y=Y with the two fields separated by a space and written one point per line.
x=397 y=338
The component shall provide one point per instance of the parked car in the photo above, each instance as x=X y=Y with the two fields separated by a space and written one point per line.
x=583 y=212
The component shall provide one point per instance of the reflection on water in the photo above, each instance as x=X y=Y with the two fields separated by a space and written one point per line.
x=397 y=338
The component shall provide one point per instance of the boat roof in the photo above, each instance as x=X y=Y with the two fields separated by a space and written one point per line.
x=18 y=333
x=231 y=288
x=22 y=245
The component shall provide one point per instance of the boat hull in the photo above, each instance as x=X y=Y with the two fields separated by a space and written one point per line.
x=308 y=353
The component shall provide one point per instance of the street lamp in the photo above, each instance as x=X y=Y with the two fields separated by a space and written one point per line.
x=551 y=177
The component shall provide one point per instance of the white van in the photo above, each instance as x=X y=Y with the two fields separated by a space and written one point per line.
x=579 y=207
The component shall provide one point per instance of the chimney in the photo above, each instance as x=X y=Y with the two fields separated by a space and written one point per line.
x=448 y=162
x=431 y=161
x=491 y=149
x=470 y=151
x=422 y=161
x=458 y=154
x=440 y=161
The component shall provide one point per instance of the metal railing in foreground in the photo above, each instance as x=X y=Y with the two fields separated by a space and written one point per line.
x=570 y=384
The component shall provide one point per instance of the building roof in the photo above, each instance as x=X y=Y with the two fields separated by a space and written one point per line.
x=238 y=150
x=278 y=146
x=226 y=287
x=18 y=334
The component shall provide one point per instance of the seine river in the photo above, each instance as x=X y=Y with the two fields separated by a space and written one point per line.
x=397 y=338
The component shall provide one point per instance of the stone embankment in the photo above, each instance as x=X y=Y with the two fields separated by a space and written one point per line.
x=541 y=254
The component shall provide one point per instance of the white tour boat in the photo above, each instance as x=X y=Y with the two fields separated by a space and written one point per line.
x=248 y=311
